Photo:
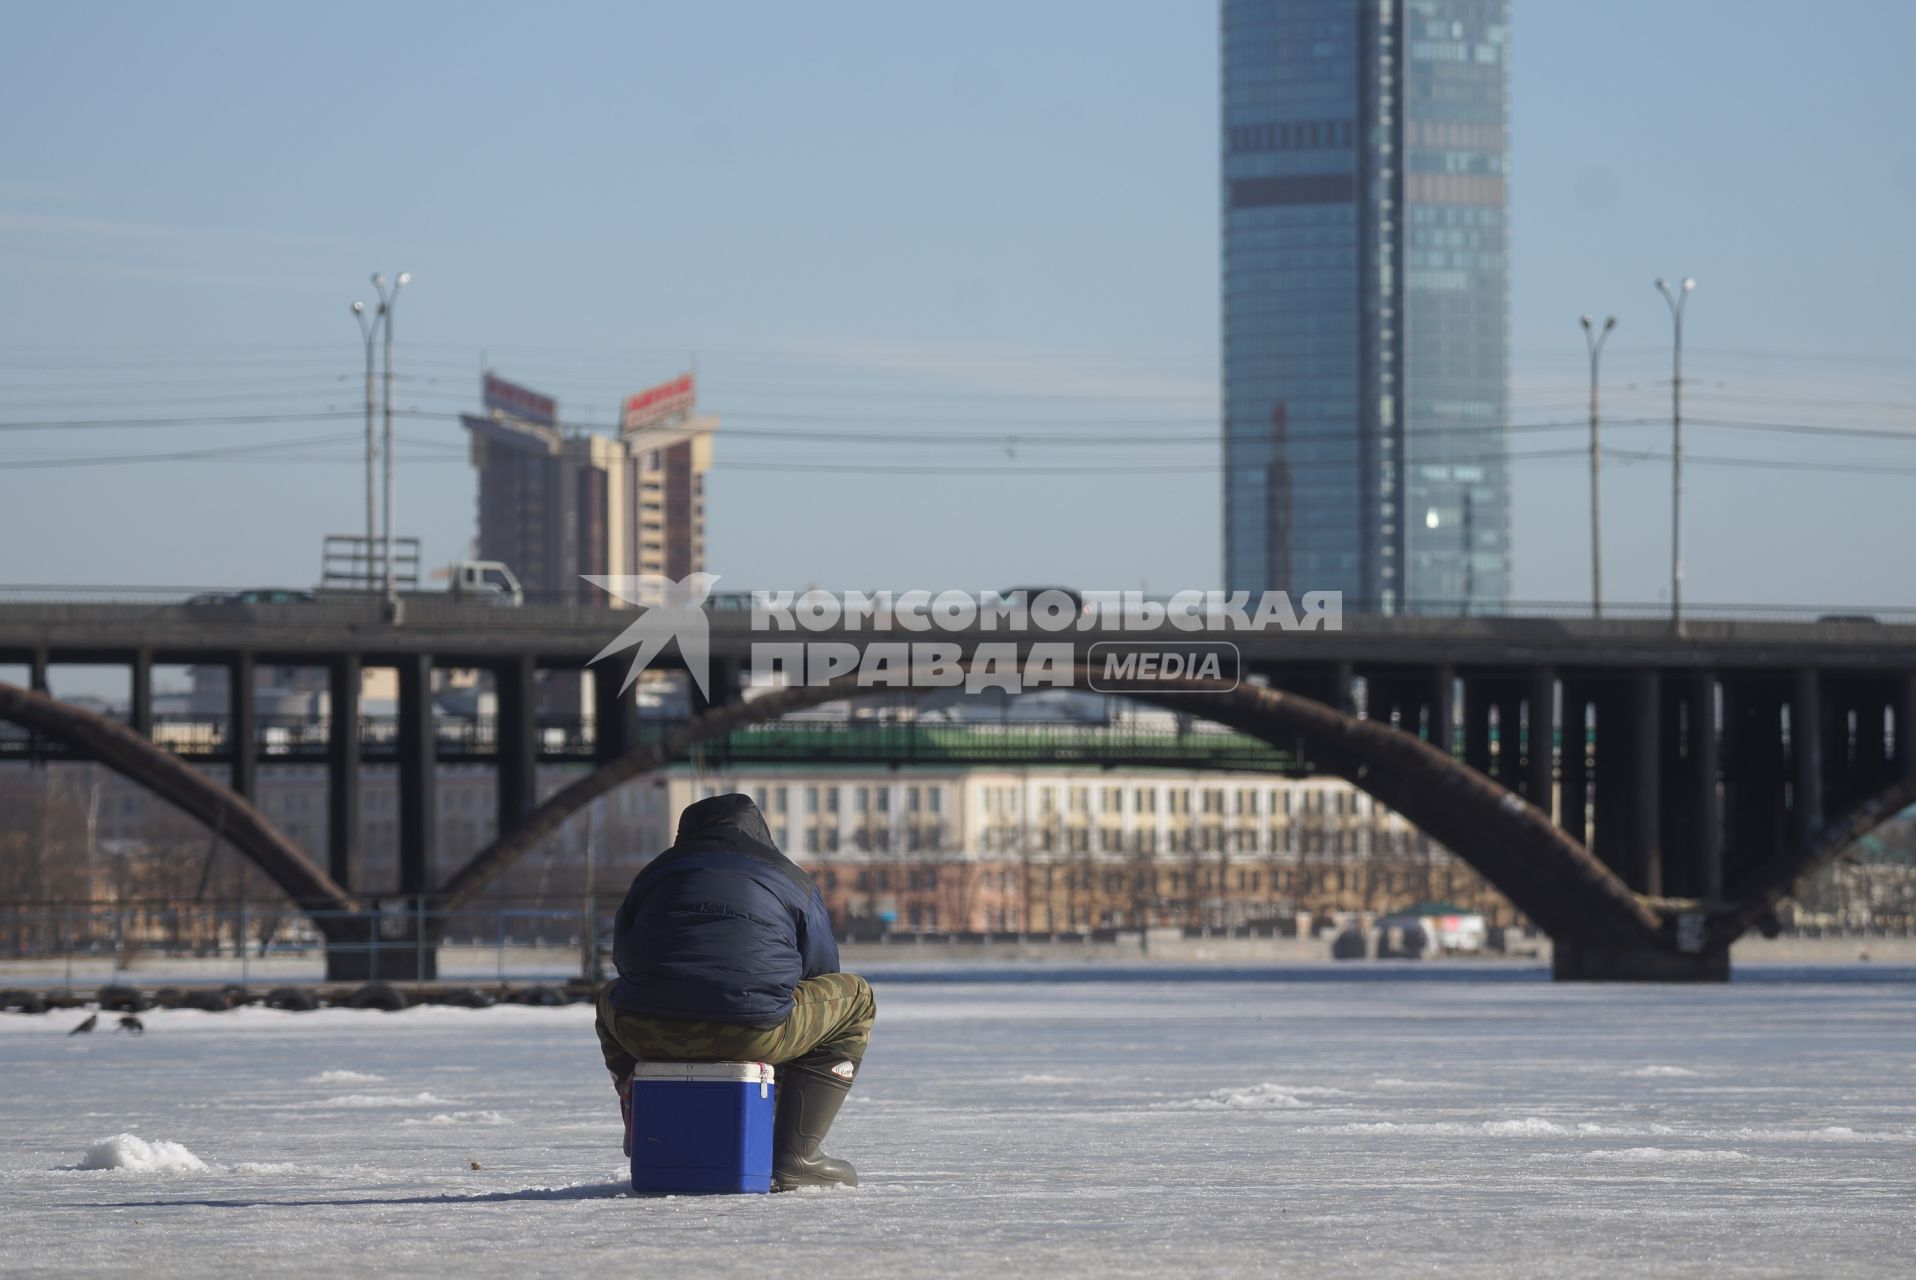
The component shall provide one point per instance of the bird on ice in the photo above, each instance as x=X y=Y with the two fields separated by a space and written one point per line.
x=93 y=1020
x=131 y=1022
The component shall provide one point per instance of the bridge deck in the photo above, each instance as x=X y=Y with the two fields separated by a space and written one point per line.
x=69 y=631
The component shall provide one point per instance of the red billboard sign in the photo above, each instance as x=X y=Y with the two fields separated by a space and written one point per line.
x=514 y=401
x=657 y=404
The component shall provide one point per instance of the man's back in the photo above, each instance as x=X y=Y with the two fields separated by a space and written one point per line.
x=722 y=926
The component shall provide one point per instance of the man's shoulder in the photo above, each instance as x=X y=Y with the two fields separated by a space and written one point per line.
x=740 y=857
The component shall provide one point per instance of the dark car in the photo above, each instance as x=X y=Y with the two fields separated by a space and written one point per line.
x=254 y=595
x=1029 y=595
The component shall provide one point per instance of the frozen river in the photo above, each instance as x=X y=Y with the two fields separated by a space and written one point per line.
x=1315 y=1121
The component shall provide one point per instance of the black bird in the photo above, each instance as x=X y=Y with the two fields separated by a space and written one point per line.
x=129 y=1022
x=93 y=1020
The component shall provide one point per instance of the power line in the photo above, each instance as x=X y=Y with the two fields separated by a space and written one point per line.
x=246 y=397
x=243 y=419
x=1769 y=464
x=209 y=453
x=991 y=435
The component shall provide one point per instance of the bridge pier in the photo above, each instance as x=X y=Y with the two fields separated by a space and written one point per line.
x=1440 y=709
x=723 y=678
x=1574 y=792
x=615 y=716
x=1477 y=700
x=1702 y=824
x=1806 y=758
x=37 y=663
x=1540 y=740
x=242 y=733
x=1646 y=784
x=140 y=691
x=418 y=805
x=343 y=845
x=1755 y=775
x=1573 y=960
x=516 y=741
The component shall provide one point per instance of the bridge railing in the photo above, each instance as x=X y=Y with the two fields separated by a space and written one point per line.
x=156 y=945
x=729 y=603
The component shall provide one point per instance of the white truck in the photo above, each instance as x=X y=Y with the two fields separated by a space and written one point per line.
x=484 y=581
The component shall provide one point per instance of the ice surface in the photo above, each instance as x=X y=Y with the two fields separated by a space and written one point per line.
x=1379 y=1120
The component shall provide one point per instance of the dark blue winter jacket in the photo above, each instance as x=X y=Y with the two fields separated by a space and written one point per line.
x=721 y=926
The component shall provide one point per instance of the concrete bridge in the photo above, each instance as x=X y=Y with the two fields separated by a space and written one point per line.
x=1644 y=796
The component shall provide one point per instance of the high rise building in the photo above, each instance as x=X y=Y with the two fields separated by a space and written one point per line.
x=555 y=505
x=1365 y=300
x=669 y=450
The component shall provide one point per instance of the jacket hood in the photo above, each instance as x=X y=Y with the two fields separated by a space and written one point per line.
x=722 y=820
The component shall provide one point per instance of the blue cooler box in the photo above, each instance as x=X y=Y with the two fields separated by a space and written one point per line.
x=702 y=1127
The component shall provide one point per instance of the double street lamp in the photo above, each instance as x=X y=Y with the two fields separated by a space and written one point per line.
x=369 y=330
x=380 y=324
x=1676 y=298
x=1593 y=338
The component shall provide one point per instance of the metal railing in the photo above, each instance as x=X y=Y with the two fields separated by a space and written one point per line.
x=162 y=944
x=740 y=601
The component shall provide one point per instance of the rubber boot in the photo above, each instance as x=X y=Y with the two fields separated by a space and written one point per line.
x=624 y=1086
x=810 y=1091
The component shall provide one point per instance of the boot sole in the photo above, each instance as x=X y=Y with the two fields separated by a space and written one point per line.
x=783 y=1184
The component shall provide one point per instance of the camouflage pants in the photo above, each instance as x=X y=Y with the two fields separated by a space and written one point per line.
x=833 y=1014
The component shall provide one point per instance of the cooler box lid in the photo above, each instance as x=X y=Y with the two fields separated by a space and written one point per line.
x=705 y=1072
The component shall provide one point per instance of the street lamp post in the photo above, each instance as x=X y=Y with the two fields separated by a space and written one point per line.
x=368 y=329
x=1593 y=338
x=1676 y=298
x=387 y=300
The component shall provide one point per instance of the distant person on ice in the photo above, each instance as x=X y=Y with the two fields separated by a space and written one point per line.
x=725 y=954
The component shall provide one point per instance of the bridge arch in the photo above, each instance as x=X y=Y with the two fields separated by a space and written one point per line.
x=1784 y=876
x=1547 y=875
x=159 y=771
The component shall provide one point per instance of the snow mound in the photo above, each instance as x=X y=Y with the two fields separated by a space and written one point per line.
x=1828 y=1133
x=1528 y=1127
x=140 y=1156
x=463 y=1117
x=1667 y=1155
x=1259 y=1097
x=1403 y=1082
x=1660 y=1072
x=345 y=1077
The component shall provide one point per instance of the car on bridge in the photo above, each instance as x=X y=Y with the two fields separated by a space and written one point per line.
x=1029 y=596
x=253 y=595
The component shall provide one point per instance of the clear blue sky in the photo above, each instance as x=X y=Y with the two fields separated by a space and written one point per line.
x=994 y=218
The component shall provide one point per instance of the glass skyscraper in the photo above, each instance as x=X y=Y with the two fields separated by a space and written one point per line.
x=1365 y=299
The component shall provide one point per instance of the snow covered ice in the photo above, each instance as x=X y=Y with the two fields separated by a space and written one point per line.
x=1383 y=1120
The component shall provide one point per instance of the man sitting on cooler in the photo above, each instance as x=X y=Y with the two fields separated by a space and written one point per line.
x=725 y=954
